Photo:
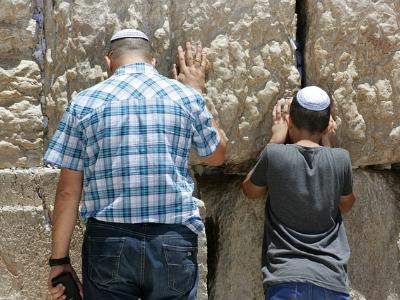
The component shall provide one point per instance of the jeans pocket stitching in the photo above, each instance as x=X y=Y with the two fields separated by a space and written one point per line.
x=115 y=268
x=171 y=265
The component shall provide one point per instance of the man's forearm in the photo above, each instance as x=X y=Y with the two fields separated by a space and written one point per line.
x=220 y=133
x=64 y=220
x=65 y=212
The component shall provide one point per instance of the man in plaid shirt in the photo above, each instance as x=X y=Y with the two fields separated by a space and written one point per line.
x=125 y=142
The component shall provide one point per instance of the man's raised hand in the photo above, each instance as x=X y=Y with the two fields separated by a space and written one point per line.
x=191 y=71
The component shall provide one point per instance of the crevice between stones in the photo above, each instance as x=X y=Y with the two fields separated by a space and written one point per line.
x=42 y=197
x=38 y=55
x=301 y=35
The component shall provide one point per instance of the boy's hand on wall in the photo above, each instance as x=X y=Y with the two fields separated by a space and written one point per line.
x=191 y=71
x=279 y=122
x=329 y=134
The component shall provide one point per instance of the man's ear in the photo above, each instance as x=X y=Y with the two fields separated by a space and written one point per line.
x=108 y=65
x=153 y=61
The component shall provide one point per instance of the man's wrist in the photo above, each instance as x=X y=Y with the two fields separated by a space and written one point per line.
x=59 y=261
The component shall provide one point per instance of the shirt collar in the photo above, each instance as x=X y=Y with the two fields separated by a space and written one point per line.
x=136 y=68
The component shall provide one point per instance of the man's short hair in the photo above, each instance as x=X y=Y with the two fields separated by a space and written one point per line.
x=132 y=46
x=310 y=120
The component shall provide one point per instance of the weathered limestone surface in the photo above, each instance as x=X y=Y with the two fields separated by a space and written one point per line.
x=235 y=226
x=77 y=33
x=21 y=130
x=373 y=229
x=353 y=51
x=26 y=201
x=252 y=61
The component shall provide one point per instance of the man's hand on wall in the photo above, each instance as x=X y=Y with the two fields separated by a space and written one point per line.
x=192 y=70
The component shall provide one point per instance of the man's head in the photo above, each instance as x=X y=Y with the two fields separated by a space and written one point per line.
x=310 y=110
x=128 y=46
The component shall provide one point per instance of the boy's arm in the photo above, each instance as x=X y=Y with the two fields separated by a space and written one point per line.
x=251 y=190
x=347 y=198
x=328 y=138
x=255 y=184
x=346 y=203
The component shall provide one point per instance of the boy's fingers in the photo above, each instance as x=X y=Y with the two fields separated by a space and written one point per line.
x=174 y=72
x=286 y=107
x=189 y=55
x=274 y=113
x=278 y=110
x=181 y=60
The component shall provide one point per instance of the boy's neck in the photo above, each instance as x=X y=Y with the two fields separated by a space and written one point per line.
x=305 y=138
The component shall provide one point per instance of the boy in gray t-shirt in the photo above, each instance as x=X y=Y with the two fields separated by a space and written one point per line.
x=305 y=249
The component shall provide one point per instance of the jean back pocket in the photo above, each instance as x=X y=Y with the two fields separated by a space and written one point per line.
x=182 y=267
x=104 y=258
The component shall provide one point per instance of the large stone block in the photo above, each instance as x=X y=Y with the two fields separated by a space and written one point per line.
x=21 y=129
x=252 y=63
x=77 y=35
x=17 y=30
x=353 y=51
x=28 y=187
x=25 y=249
x=234 y=227
x=249 y=45
x=373 y=229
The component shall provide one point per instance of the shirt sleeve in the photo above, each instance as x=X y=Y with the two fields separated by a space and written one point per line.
x=65 y=149
x=259 y=175
x=348 y=177
x=205 y=138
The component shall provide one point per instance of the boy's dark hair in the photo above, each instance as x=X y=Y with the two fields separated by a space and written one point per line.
x=131 y=45
x=310 y=120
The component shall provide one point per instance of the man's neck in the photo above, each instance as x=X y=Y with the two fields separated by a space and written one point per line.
x=127 y=60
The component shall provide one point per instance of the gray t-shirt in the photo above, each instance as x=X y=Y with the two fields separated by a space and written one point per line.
x=305 y=239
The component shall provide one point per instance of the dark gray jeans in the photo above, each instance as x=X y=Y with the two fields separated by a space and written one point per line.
x=139 y=261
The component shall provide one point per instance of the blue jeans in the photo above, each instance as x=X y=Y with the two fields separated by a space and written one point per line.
x=302 y=291
x=139 y=261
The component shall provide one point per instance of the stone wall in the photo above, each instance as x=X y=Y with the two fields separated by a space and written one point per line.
x=50 y=50
x=353 y=51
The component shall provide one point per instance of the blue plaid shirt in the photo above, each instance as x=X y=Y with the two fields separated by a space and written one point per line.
x=131 y=136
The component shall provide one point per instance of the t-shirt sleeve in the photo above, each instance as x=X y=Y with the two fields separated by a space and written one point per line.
x=259 y=175
x=205 y=137
x=348 y=177
x=65 y=149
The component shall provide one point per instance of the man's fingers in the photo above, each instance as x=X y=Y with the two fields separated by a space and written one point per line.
x=204 y=61
x=189 y=54
x=174 y=72
x=198 y=57
x=57 y=292
x=274 y=113
x=181 y=60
